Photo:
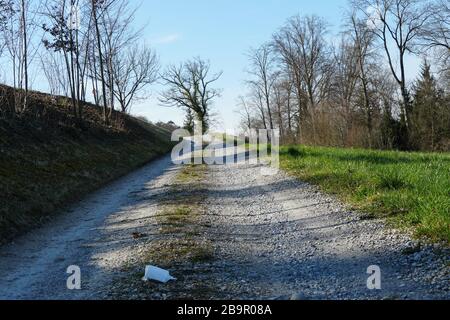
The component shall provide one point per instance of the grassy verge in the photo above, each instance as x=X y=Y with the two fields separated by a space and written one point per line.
x=411 y=189
x=45 y=165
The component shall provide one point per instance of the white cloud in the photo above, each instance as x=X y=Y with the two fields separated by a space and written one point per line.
x=170 y=38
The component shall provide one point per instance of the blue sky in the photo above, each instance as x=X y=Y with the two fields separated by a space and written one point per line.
x=221 y=31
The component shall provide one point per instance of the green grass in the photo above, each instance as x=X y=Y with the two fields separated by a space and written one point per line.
x=44 y=167
x=410 y=189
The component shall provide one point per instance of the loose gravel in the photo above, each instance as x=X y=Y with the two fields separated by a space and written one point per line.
x=273 y=237
x=279 y=238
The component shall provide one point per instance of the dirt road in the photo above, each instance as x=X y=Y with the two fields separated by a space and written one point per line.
x=94 y=235
x=272 y=237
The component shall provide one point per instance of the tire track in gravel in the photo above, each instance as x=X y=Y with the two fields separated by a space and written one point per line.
x=272 y=237
x=278 y=238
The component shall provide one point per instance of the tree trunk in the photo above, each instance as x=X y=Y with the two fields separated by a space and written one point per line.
x=25 y=54
x=102 y=69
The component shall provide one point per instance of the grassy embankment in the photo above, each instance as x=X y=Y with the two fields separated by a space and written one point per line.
x=411 y=189
x=47 y=160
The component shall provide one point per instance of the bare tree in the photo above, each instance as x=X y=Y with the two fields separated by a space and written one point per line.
x=118 y=36
x=6 y=12
x=436 y=34
x=55 y=72
x=97 y=7
x=304 y=51
x=398 y=23
x=342 y=96
x=134 y=70
x=256 y=100
x=365 y=54
x=10 y=29
x=262 y=69
x=189 y=86
x=245 y=111
x=64 y=29
x=18 y=28
x=345 y=81
x=24 y=39
x=287 y=87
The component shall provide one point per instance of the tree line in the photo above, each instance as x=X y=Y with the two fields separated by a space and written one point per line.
x=91 y=49
x=84 y=48
x=351 y=92
x=354 y=91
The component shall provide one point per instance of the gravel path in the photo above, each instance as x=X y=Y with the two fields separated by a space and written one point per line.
x=273 y=237
x=95 y=235
x=283 y=239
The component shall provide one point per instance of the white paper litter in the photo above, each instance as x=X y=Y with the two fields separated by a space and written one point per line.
x=157 y=274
